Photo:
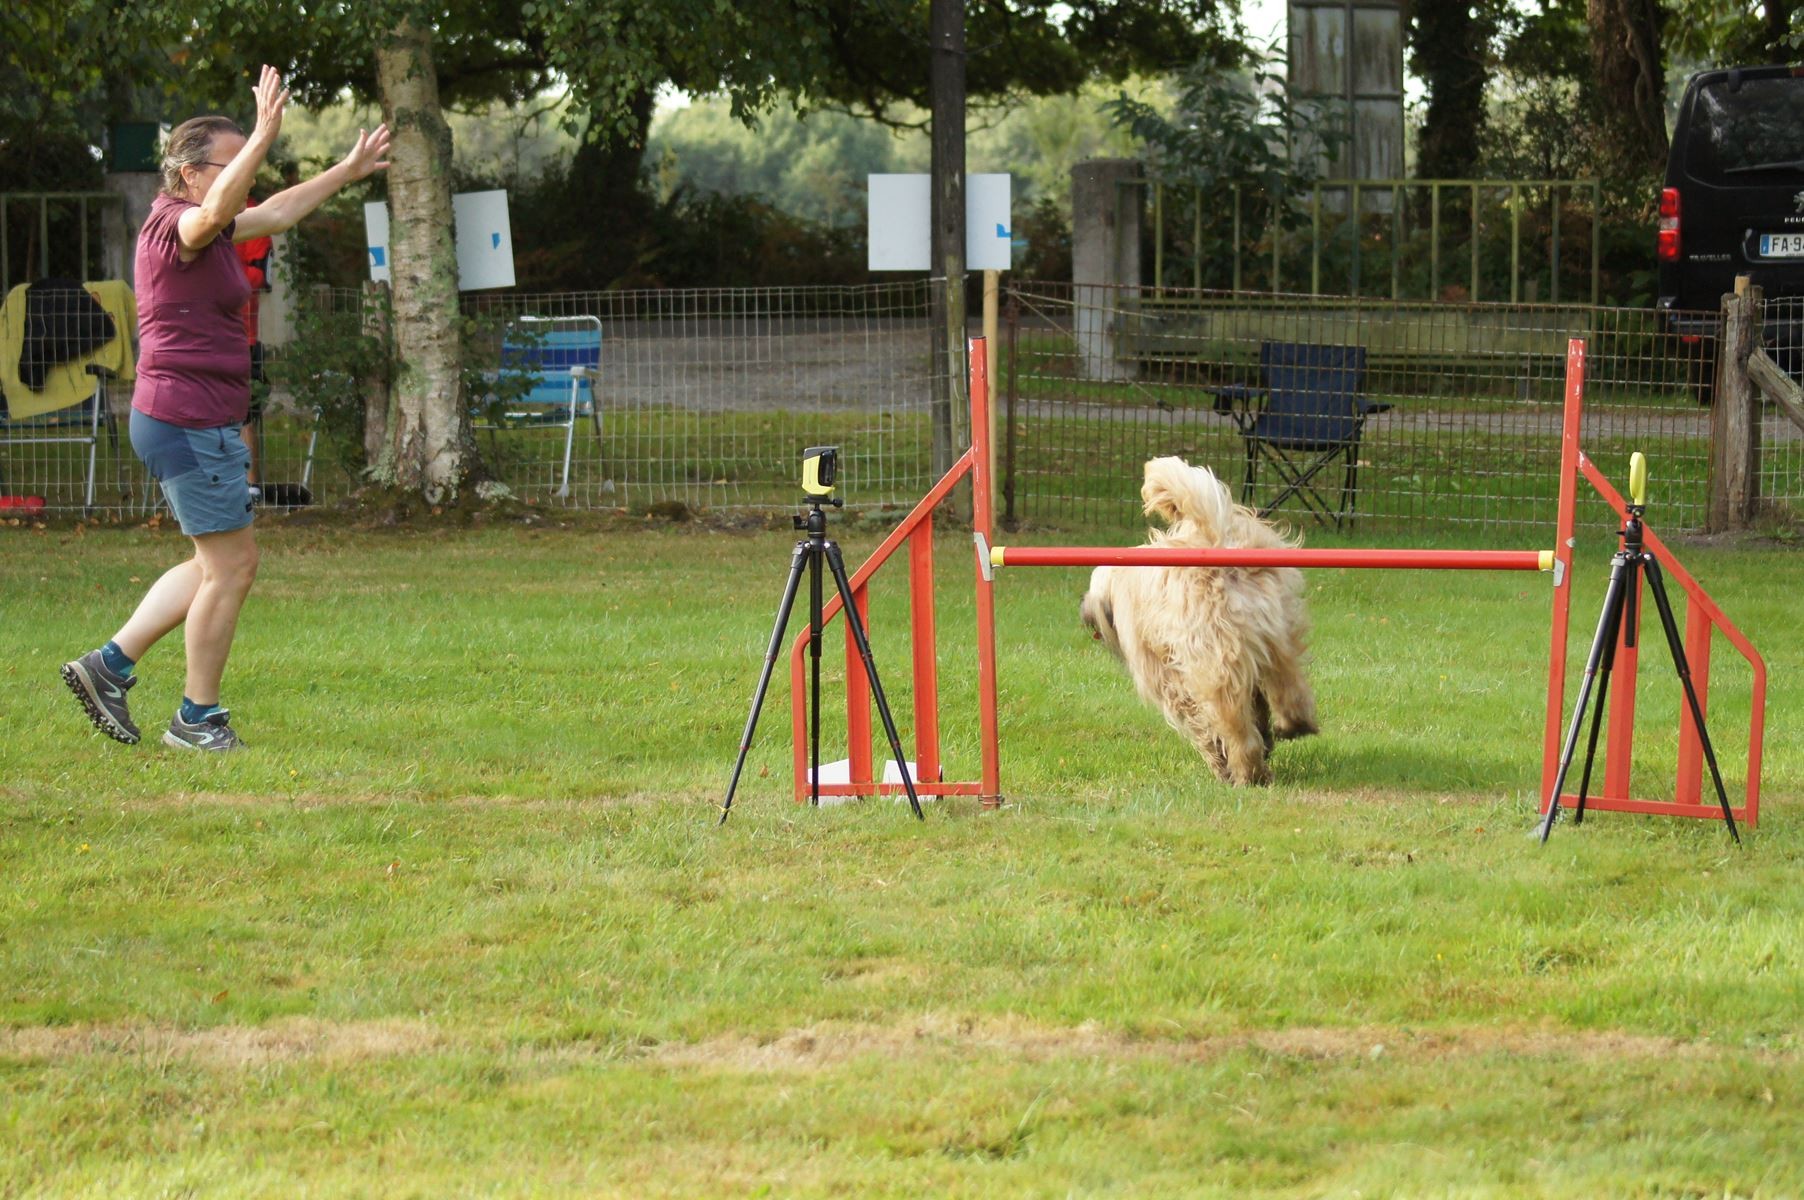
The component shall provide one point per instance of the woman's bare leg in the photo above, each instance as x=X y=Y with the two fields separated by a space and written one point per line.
x=164 y=607
x=227 y=567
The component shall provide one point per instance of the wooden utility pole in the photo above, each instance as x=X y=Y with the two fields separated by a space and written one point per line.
x=946 y=86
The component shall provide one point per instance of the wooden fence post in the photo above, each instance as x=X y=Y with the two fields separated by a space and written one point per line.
x=1735 y=418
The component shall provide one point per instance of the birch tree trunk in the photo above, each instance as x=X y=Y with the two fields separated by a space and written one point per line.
x=428 y=446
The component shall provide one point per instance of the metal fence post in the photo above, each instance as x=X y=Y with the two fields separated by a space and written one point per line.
x=1013 y=314
x=1473 y=225
x=1434 y=241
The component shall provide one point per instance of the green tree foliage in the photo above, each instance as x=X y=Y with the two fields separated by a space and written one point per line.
x=1016 y=48
x=68 y=69
x=1541 y=112
x=1720 y=33
x=813 y=164
x=1230 y=127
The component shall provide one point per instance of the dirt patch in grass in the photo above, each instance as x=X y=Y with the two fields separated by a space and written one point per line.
x=828 y=1045
x=301 y=1039
x=823 y=1046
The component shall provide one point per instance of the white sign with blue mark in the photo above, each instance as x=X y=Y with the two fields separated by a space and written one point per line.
x=900 y=216
x=485 y=240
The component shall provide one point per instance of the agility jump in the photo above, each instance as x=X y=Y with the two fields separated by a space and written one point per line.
x=1703 y=618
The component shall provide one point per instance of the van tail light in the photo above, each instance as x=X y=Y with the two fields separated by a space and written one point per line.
x=1669 y=225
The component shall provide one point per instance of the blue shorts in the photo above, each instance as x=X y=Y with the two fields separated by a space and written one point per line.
x=203 y=472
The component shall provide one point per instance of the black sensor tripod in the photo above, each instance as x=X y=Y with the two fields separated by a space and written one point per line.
x=810 y=551
x=1618 y=617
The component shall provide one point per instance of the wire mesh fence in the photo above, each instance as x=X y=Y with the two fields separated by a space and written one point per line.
x=707 y=397
x=1454 y=411
x=1780 y=461
x=704 y=398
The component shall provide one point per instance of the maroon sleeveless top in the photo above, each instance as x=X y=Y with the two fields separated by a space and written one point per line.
x=194 y=366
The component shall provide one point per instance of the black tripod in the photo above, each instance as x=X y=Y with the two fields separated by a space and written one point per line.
x=811 y=550
x=1619 y=615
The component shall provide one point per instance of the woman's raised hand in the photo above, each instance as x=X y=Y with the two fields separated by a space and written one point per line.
x=370 y=154
x=272 y=99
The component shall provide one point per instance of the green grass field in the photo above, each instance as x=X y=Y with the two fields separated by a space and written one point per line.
x=460 y=923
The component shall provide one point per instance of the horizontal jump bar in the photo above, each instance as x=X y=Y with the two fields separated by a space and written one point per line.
x=1175 y=556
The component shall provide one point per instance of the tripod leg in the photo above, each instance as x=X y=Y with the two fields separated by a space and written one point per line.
x=870 y=669
x=1603 y=693
x=814 y=655
x=1607 y=624
x=1658 y=587
x=770 y=661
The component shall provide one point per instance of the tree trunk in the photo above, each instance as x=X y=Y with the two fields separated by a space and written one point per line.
x=604 y=184
x=946 y=84
x=1631 y=81
x=1452 y=56
x=1776 y=31
x=429 y=448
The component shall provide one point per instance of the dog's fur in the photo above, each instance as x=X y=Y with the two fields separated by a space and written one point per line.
x=1218 y=650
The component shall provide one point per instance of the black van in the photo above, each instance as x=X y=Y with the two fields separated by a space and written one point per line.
x=1733 y=203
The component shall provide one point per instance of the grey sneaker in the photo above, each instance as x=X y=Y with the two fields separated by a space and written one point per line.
x=102 y=696
x=211 y=732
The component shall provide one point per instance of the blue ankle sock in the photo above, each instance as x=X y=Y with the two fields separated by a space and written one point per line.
x=115 y=660
x=194 y=714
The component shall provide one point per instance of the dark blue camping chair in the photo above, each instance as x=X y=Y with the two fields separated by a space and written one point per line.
x=1307 y=413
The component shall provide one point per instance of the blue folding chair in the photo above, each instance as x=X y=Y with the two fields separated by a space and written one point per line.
x=1308 y=413
x=556 y=360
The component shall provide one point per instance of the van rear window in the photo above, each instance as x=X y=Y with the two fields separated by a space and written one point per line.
x=1747 y=133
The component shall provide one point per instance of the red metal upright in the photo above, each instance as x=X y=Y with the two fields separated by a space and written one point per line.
x=916 y=530
x=924 y=637
x=983 y=534
x=1703 y=618
x=1565 y=523
x=858 y=695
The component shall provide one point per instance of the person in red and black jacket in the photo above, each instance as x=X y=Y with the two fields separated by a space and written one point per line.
x=254 y=254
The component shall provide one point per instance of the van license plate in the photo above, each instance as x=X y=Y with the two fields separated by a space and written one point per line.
x=1782 y=245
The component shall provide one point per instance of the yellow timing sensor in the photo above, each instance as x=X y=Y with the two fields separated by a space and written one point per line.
x=820 y=468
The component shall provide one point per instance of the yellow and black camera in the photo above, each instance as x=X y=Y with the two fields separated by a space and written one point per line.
x=820 y=468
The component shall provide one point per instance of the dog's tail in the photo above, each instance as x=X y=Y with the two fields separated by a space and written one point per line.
x=1177 y=491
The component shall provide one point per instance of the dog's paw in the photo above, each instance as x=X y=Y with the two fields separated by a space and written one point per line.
x=1286 y=731
x=1260 y=776
x=1217 y=758
x=1240 y=770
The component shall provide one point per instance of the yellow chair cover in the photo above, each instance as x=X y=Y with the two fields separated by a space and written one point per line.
x=69 y=383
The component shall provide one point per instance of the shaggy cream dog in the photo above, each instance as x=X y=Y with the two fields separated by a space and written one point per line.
x=1219 y=650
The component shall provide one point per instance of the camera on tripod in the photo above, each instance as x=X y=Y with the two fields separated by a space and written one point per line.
x=820 y=468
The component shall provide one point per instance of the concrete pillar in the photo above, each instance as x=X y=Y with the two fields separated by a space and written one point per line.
x=121 y=222
x=1107 y=198
x=275 y=309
